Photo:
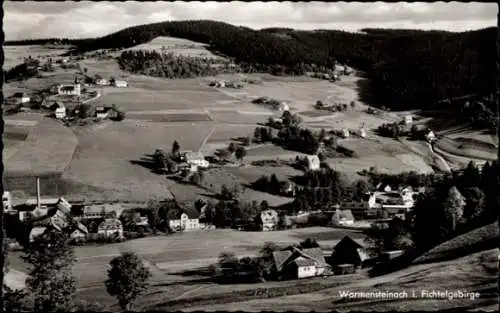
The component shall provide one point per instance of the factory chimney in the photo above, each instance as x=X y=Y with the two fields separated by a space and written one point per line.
x=38 y=200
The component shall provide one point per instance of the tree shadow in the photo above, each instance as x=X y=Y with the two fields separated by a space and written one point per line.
x=147 y=162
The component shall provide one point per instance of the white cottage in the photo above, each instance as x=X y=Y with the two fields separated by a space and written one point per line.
x=269 y=220
x=120 y=83
x=111 y=227
x=313 y=162
x=60 y=111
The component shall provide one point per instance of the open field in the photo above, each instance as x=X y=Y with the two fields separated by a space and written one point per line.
x=177 y=46
x=224 y=133
x=473 y=273
x=171 y=118
x=469 y=148
x=142 y=99
x=110 y=152
x=15 y=55
x=49 y=149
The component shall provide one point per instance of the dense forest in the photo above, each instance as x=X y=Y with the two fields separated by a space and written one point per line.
x=406 y=69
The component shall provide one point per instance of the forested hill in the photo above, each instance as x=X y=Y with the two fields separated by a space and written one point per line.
x=407 y=69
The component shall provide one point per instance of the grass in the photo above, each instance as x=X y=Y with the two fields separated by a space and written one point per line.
x=49 y=149
x=316 y=113
x=177 y=46
x=105 y=155
x=483 y=238
x=171 y=118
x=225 y=133
x=143 y=99
x=467 y=147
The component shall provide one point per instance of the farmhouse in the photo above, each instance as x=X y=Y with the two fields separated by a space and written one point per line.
x=60 y=110
x=342 y=218
x=21 y=98
x=361 y=132
x=348 y=251
x=300 y=263
x=408 y=119
x=185 y=219
x=430 y=136
x=196 y=158
x=344 y=133
x=102 y=211
x=78 y=234
x=7 y=201
x=313 y=162
x=102 y=82
x=288 y=189
x=72 y=90
x=283 y=106
x=111 y=227
x=119 y=83
x=102 y=112
x=269 y=220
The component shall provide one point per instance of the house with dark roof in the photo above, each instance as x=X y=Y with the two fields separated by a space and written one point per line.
x=296 y=263
x=350 y=251
x=184 y=218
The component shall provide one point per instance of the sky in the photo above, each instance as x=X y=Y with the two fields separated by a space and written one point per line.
x=31 y=20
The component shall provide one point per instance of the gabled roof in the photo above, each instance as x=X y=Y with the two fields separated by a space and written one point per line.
x=187 y=207
x=305 y=257
x=280 y=257
x=349 y=242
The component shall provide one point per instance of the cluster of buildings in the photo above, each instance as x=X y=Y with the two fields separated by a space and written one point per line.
x=345 y=257
x=226 y=84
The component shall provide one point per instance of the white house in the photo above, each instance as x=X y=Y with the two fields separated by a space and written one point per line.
x=430 y=136
x=300 y=263
x=361 y=132
x=313 y=162
x=72 y=90
x=102 y=82
x=7 y=201
x=111 y=227
x=102 y=112
x=283 y=106
x=120 y=83
x=269 y=220
x=21 y=98
x=60 y=111
x=186 y=219
x=408 y=119
x=102 y=211
x=196 y=158
x=344 y=133
x=342 y=218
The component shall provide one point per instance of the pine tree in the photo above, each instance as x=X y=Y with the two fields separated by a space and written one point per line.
x=453 y=209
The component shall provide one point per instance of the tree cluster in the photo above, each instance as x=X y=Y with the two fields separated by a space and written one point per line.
x=23 y=71
x=168 y=65
x=271 y=185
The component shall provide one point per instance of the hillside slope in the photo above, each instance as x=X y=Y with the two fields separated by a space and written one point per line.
x=480 y=239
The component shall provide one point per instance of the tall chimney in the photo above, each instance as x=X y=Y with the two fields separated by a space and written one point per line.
x=38 y=193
